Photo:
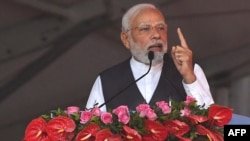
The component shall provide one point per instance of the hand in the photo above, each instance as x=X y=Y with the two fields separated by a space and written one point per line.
x=183 y=59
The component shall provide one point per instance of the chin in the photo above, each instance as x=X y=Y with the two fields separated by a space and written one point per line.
x=158 y=58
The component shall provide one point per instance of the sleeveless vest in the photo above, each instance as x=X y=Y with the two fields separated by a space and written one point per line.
x=116 y=78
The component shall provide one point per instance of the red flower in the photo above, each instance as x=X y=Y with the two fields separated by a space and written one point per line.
x=156 y=130
x=131 y=134
x=107 y=135
x=61 y=128
x=176 y=127
x=88 y=133
x=218 y=135
x=211 y=135
x=219 y=115
x=120 y=124
x=180 y=138
x=195 y=119
x=35 y=130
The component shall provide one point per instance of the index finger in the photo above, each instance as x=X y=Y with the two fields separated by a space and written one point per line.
x=181 y=37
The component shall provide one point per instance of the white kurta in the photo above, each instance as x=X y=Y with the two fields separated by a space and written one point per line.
x=199 y=89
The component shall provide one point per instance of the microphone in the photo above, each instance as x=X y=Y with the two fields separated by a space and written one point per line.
x=150 y=57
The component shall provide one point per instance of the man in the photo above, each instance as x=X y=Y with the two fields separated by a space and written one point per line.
x=173 y=74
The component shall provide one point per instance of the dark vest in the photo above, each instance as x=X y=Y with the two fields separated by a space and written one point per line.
x=120 y=76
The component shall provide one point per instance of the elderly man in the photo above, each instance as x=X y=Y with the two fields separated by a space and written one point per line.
x=172 y=75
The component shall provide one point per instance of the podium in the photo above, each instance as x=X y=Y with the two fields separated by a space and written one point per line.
x=239 y=119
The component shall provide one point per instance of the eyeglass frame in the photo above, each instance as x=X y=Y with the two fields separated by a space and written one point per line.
x=148 y=28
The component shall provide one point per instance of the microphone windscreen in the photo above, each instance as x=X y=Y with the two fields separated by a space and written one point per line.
x=150 y=55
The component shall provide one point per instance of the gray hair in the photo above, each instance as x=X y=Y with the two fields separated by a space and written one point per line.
x=132 y=12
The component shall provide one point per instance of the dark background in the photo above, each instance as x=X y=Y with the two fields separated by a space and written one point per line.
x=52 y=50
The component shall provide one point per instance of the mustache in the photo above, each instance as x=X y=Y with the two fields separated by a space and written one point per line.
x=156 y=43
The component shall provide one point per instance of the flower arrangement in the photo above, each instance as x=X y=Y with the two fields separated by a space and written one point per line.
x=184 y=121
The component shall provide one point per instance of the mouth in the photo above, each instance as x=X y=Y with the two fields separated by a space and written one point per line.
x=155 y=47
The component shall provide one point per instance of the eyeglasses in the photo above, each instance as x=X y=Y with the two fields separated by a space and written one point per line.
x=148 y=29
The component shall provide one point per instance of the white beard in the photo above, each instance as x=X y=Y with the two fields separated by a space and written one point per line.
x=141 y=54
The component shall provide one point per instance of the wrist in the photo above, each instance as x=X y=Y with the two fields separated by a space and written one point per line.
x=188 y=79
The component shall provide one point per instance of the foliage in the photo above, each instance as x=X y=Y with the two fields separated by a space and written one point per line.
x=184 y=121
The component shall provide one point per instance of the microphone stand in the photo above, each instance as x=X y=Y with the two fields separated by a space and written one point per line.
x=150 y=57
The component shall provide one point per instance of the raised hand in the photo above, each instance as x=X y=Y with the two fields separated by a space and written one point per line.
x=183 y=59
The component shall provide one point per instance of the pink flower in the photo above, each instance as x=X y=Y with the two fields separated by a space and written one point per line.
x=121 y=109
x=72 y=109
x=142 y=109
x=150 y=114
x=123 y=118
x=96 y=111
x=142 y=114
x=85 y=116
x=145 y=110
x=123 y=114
x=164 y=106
x=106 y=118
x=160 y=122
x=185 y=112
x=189 y=99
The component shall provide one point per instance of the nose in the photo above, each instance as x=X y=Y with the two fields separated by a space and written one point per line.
x=155 y=34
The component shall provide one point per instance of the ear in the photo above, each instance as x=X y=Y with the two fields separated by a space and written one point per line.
x=125 y=39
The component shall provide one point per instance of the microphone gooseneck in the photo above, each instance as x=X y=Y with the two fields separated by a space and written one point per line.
x=150 y=57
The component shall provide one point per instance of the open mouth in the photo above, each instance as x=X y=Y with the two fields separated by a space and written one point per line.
x=155 y=47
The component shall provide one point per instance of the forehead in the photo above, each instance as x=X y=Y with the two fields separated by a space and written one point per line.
x=148 y=16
